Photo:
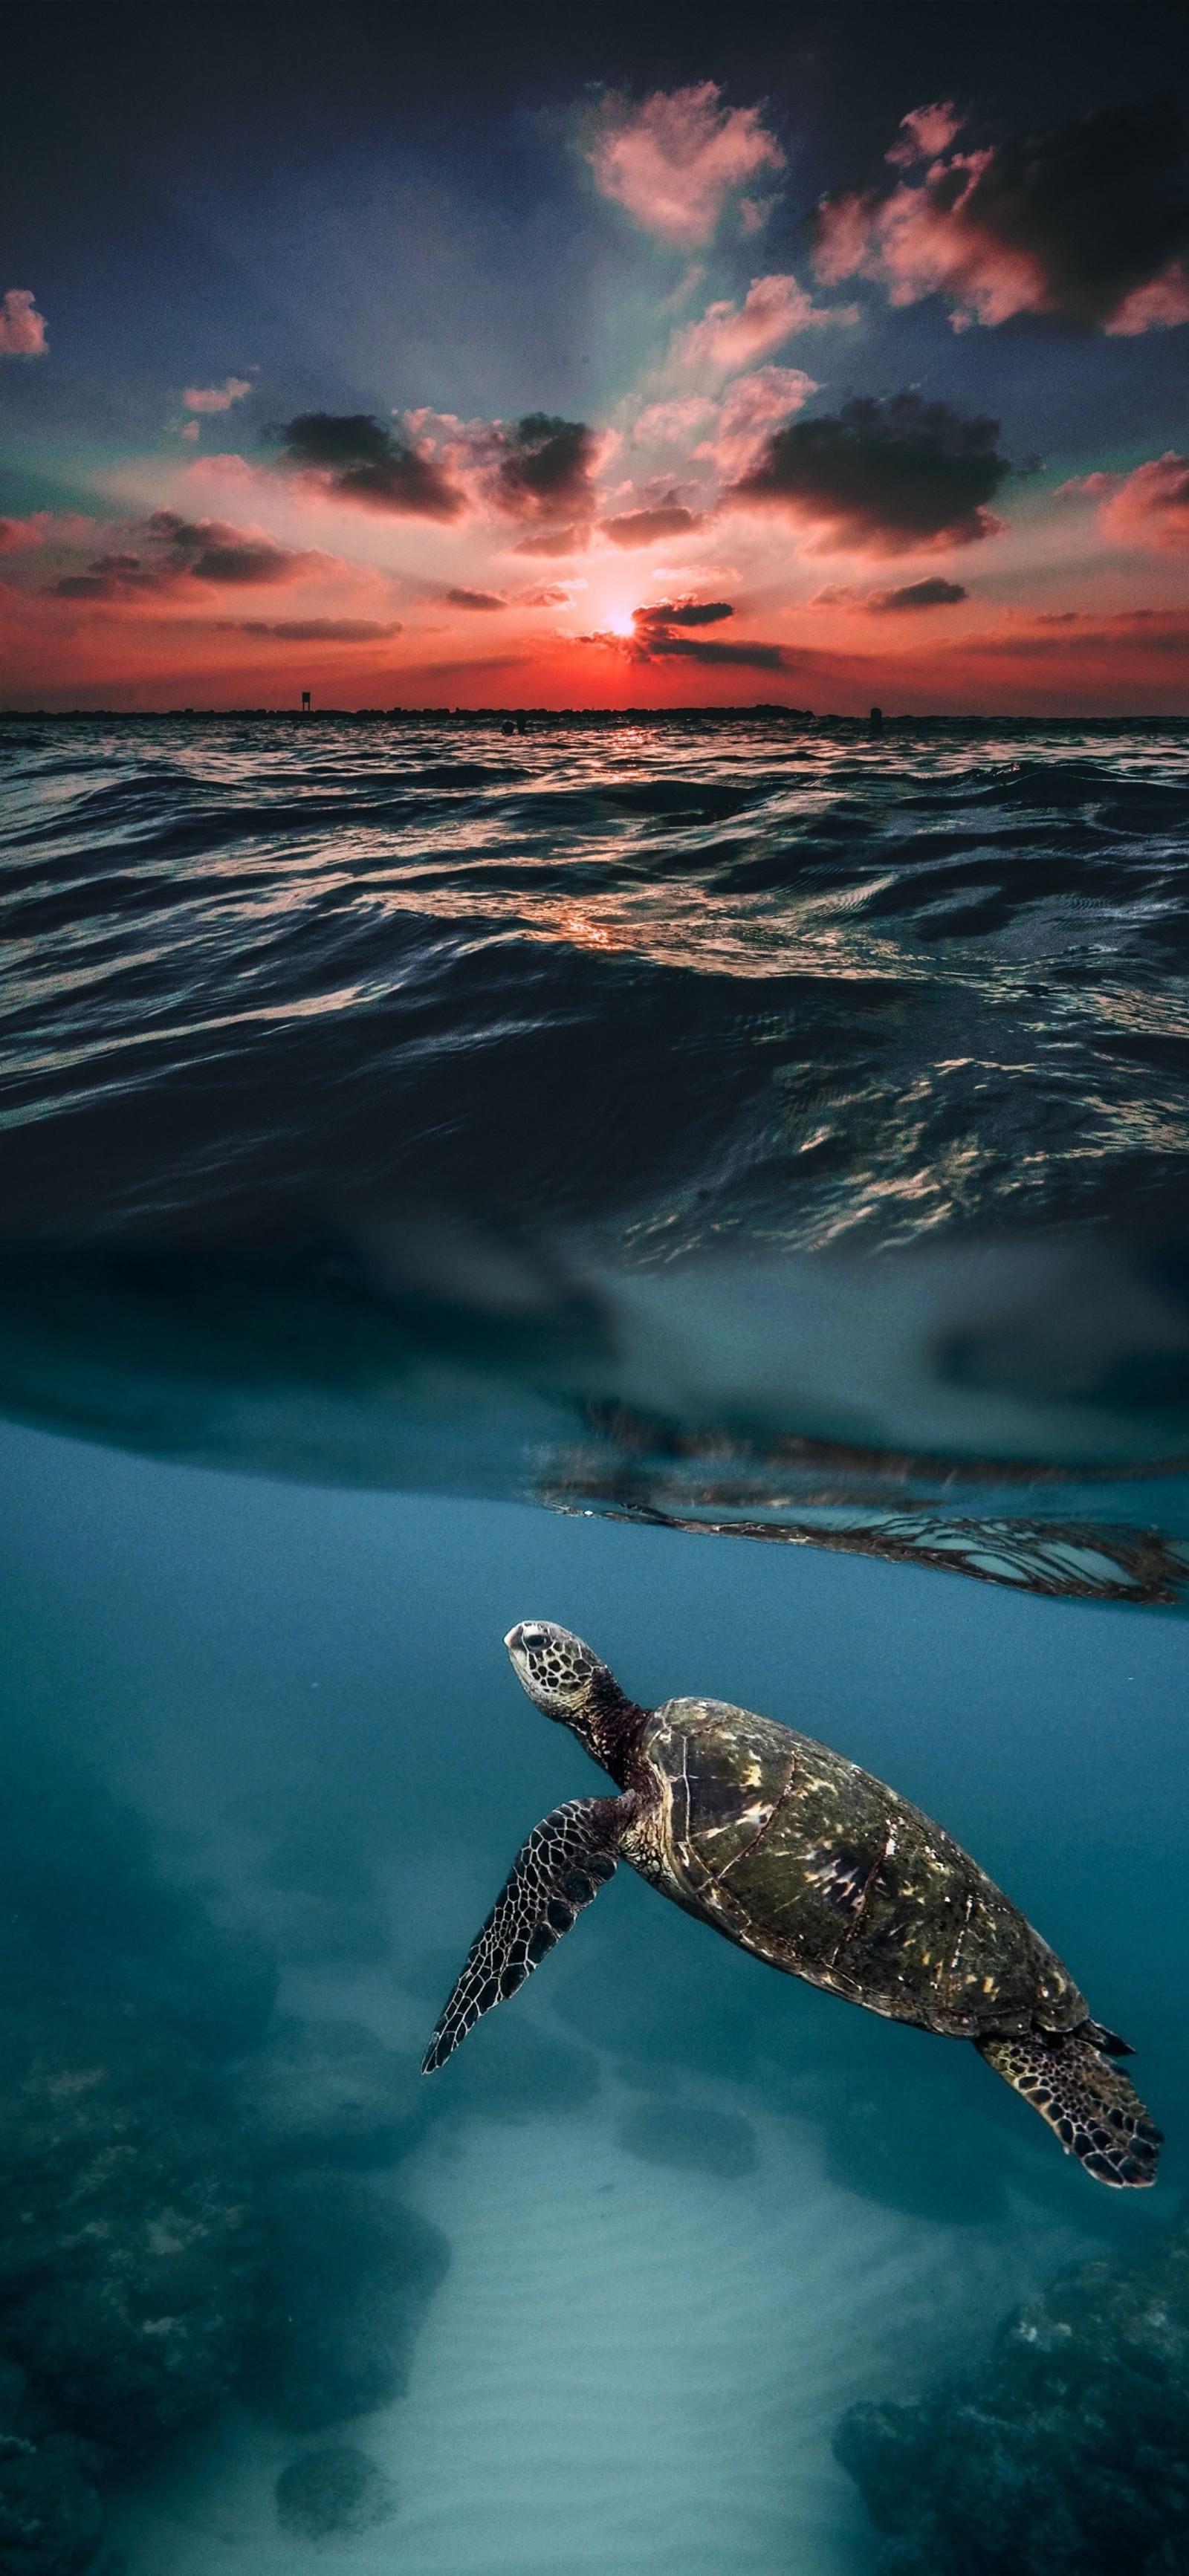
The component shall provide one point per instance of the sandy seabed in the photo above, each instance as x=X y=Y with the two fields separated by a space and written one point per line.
x=628 y=2367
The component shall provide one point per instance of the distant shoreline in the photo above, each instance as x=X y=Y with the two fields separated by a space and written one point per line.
x=487 y=716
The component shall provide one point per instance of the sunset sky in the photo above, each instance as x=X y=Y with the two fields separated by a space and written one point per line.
x=822 y=355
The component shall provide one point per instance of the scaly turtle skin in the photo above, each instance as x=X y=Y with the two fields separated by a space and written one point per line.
x=815 y=1867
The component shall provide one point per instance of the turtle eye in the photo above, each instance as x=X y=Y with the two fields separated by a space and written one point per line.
x=533 y=1638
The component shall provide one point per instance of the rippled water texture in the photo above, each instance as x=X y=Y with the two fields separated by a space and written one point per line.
x=741 y=1125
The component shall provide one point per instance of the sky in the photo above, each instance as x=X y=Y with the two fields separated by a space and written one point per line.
x=821 y=356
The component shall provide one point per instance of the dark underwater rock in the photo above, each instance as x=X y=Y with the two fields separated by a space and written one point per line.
x=350 y=2273
x=157 y=2233
x=691 y=2138
x=329 y=2092
x=1066 y=2455
x=51 y=2517
x=129 y=2263
x=338 y=2489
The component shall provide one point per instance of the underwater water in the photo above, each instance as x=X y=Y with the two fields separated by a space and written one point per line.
x=447 y=1181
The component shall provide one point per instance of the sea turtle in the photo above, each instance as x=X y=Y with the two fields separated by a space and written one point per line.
x=814 y=1866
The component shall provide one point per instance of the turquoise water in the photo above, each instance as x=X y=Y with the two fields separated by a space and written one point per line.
x=439 y=1189
x=694 y=2211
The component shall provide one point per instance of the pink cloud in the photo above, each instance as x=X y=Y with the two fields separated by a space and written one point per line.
x=1088 y=222
x=22 y=327
x=923 y=241
x=216 y=397
x=1159 y=306
x=751 y=410
x=673 y=162
x=673 y=424
x=1149 y=507
x=731 y=336
x=225 y=467
x=927 y=131
x=19 y=536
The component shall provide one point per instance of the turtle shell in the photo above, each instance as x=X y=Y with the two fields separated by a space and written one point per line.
x=817 y=1867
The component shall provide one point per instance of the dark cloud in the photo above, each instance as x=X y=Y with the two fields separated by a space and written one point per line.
x=359 y=460
x=884 y=478
x=208 y=550
x=312 y=630
x=645 y=527
x=1089 y=222
x=88 y=585
x=543 y=469
x=474 y=599
x=181 y=550
x=107 y=577
x=917 y=594
x=753 y=657
x=687 y=612
x=655 y=638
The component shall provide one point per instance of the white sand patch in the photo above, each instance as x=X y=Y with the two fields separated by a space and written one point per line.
x=629 y=2368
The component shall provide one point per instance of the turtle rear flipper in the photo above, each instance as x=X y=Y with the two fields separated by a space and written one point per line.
x=565 y=1861
x=1087 y=2100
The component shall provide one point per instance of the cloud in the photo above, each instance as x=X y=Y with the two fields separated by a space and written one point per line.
x=166 y=551
x=1088 y=223
x=917 y=594
x=926 y=131
x=662 y=644
x=217 y=397
x=356 y=459
x=1072 y=632
x=18 y=536
x=208 y=550
x=731 y=336
x=555 y=541
x=883 y=478
x=914 y=594
x=687 y=612
x=673 y=162
x=479 y=598
x=750 y=410
x=552 y=596
x=670 y=518
x=311 y=630
x=1149 y=507
x=657 y=636
x=541 y=468
x=22 y=327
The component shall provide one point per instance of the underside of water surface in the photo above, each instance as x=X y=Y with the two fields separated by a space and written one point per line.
x=447 y=1182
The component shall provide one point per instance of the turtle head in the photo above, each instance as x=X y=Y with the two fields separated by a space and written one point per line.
x=566 y=1681
x=559 y=1673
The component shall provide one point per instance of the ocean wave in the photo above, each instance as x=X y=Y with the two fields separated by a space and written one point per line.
x=379 y=1105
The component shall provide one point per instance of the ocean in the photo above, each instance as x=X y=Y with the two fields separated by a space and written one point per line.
x=718 y=1184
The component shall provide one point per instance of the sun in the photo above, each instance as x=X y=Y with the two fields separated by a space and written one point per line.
x=618 y=621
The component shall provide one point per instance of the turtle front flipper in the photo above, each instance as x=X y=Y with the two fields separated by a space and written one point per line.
x=1068 y=2076
x=565 y=1861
